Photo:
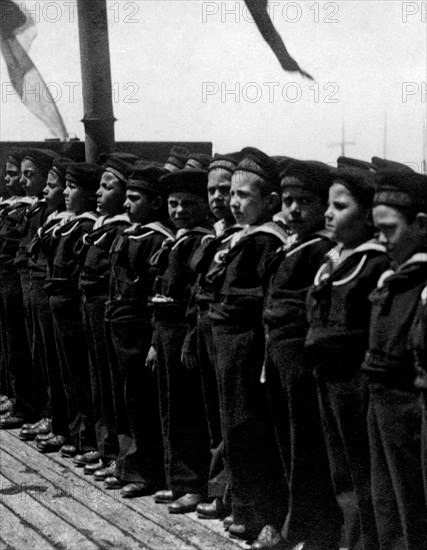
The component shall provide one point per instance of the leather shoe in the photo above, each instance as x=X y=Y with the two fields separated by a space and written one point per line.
x=240 y=531
x=32 y=424
x=51 y=445
x=43 y=426
x=106 y=471
x=271 y=539
x=137 y=489
x=44 y=437
x=10 y=422
x=211 y=510
x=90 y=469
x=227 y=522
x=5 y=406
x=113 y=482
x=186 y=503
x=68 y=451
x=90 y=457
x=165 y=496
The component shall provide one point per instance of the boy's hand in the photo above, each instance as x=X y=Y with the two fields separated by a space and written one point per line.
x=151 y=361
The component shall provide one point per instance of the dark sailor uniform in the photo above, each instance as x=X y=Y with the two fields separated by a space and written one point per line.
x=313 y=515
x=64 y=300
x=15 y=343
x=32 y=221
x=183 y=420
x=129 y=323
x=203 y=262
x=418 y=344
x=43 y=322
x=394 y=416
x=339 y=311
x=239 y=280
x=94 y=286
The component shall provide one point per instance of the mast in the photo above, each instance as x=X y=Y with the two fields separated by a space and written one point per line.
x=424 y=161
x=385 y=136
x=343 y=141
x=98 y=118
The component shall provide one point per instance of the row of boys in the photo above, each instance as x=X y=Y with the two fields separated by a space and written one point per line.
x=265 y=368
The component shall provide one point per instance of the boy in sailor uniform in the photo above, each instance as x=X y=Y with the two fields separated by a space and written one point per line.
x=312 y=515
x=199 y=350
x=94 y=285
x=42 y=316
x=238 y=281
x=394 y=416
x=82 y=181
x=15 y=192
x=139 y=467
x=21 y=222
x=184 y=426
x=338 y=311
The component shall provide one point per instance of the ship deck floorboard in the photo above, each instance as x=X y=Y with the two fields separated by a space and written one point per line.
x=46 y=502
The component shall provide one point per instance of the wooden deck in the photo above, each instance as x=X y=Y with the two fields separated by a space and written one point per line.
x=46 y=502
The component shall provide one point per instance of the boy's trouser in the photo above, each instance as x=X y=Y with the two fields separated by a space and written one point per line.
x=45 y=338
x=141 y=451
x=257 y=479
x=424 y=441
x=218 y=474
x=313 y=513
x=74 y=363
x=344 y=406
x=394 y=423
x=184 y=426
x=15 y=344
x=99 y=365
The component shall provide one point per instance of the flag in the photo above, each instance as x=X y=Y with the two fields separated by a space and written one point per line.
x=17 y=31
x=259 y=13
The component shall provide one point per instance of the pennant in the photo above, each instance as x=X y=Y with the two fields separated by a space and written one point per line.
x=259 y=13
x=17 y=31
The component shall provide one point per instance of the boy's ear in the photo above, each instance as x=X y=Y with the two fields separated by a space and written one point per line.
x=421 y=220
x=275 y=202
x=157 y=202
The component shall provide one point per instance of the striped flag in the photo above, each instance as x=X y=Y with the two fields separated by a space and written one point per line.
x=17 y=31
x=259 y=13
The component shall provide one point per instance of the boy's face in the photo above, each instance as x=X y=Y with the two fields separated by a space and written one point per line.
x=219 y=184
x=303 y=210
x=186 y=210
x=53 y=193
x=346 y=219
x=77 y=199
x=32 y=179
x=139 y=206
x=12 y=177
x=110 y=195
x=248 y=205
x=401 y=237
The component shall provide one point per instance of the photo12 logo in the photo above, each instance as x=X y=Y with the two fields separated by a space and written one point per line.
x=55 y=92
x=414 y=11
x=415 y=90
x=254 y=92
x=66 y=10
x=291 y=12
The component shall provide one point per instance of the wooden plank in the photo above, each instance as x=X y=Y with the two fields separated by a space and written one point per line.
x=61 y=501
x=15 y=531
x=148 y=521
x=94 y=513
x=192 y=533
x=57 y=532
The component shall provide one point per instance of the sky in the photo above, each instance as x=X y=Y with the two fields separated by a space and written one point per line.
x=193 y=70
